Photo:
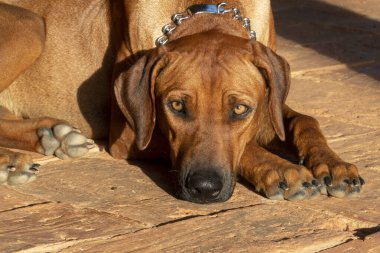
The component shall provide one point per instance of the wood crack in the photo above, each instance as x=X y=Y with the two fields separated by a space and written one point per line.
x=27 y=206
x=205 y=215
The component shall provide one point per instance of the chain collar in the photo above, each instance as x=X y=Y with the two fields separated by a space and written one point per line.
x=219 y=9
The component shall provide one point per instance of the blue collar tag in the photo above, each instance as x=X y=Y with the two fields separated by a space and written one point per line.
x=206 y=8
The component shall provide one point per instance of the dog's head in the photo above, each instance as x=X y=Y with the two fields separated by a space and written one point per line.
x=209 y=94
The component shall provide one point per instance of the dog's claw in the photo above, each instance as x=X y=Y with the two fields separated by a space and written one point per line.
x=306 y=184
x=283 y=185
x=316 y=183
x=300 y=195
x=327 y=180
x=77 y=130
x=11 y=168
x=90 y=143
x=34 y=167
x=348 y=181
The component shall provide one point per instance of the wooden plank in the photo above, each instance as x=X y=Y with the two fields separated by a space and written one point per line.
x=263 y=228
x=370 y=244
x=53 y=225
x=11 y=199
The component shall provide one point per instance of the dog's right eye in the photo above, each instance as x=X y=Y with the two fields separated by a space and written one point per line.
x=177 y=106
x=240 y=111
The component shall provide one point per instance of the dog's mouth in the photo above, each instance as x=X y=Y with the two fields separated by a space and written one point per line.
x=205 y=185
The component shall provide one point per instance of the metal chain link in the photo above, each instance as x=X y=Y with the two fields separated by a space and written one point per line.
x=178 y=18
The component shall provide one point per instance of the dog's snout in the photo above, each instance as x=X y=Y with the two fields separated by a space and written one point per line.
x=204 y=186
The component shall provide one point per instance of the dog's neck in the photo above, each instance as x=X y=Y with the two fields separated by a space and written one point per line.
x=207 y=22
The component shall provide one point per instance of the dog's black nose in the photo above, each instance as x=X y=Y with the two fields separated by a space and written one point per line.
x=204 y=186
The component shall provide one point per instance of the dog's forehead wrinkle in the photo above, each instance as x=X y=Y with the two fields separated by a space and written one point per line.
x=213 y=40
x=199 y=63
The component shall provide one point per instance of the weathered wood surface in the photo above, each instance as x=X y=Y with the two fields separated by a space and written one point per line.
x=369 y=244
x=98 y=204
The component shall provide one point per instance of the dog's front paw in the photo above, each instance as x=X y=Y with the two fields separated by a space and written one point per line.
x=17 y=169
x=339 y=179
x=23 y=174
x=64 y=141
x=290 y=182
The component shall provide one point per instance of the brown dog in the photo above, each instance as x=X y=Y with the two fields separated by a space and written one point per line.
x=211 y=99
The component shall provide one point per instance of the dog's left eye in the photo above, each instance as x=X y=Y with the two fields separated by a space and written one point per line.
x=177 y=106
x=240 y=111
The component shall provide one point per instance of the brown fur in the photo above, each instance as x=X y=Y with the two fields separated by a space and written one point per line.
x=23 y=30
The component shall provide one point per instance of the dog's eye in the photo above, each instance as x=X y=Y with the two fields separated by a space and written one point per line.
x=177 y=106
x=240 y=111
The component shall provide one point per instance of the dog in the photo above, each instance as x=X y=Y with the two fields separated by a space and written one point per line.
x=207 y=92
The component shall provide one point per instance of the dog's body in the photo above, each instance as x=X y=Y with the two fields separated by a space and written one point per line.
x=160 y=104
x=74 y=64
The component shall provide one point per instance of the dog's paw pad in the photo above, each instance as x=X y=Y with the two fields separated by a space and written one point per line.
x=22 y=174
x=61 y=131
x=17 y=168
x=48 y=141
x=277 y=196
x=4 y=172
x=299 y=195
x=64 y=141
x=301 y=192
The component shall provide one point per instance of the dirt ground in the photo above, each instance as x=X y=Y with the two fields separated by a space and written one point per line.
x=98 y=204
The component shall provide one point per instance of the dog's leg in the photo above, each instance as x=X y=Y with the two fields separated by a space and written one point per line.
x=338 y=177
x=276 y=177
x=47 y=136
x=22 y=34
x=15 y=168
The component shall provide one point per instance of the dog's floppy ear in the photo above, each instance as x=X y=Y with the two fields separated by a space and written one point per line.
x=134 y=91
x=275 y=70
